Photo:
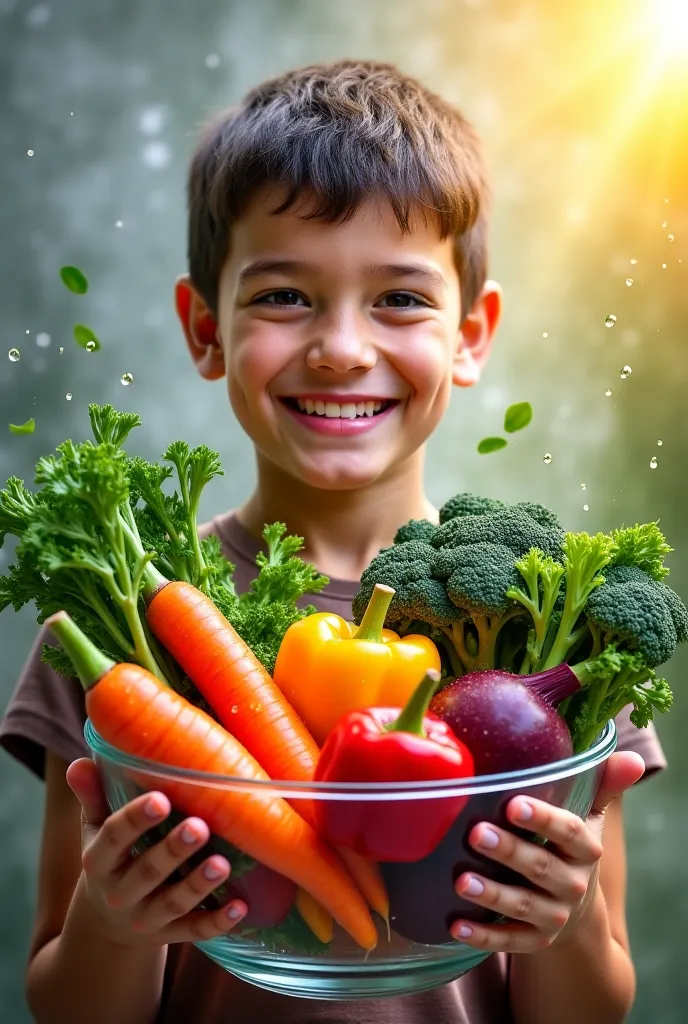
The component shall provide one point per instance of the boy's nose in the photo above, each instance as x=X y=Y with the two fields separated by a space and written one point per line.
x=341 y=345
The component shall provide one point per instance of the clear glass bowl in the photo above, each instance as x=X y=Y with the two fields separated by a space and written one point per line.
x=419 y=954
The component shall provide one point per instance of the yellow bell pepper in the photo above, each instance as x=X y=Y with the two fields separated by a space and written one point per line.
x=327 y=667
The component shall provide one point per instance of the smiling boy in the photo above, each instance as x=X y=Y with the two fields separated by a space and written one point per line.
x=337 y=258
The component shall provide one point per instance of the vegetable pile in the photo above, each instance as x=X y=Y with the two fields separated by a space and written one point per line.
x=504 y=587
x=491 y=642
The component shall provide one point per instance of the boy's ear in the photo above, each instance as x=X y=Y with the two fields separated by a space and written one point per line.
x=476 y=335
x=200 y=330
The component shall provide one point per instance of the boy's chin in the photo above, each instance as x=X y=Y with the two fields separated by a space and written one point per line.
x=341 y=473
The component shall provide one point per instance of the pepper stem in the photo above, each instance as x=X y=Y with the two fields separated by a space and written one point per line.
x=374 y=616
x=90 y=663
x=411 y=718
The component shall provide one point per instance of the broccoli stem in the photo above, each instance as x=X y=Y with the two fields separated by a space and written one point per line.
x=584 y=557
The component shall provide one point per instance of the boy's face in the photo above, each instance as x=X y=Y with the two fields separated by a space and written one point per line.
x=340 y=342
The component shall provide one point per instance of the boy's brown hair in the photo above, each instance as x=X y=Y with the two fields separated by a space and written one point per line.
x=340 y=133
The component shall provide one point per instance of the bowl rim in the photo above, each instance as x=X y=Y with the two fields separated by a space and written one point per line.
x=602 y=748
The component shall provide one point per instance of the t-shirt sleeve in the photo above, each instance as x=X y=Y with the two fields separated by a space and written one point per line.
x=45 y=712
x=643 y=741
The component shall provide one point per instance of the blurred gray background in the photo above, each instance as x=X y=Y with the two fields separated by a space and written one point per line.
x=585 y=118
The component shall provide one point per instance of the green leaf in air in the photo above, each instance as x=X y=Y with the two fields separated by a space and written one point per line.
x=491 y=444
x=23 y=428
x=74 y=279
x=84 y=335
x=517 y=417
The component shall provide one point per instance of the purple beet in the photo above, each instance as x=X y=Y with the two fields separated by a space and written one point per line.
x=509 y=722
x=268 y=895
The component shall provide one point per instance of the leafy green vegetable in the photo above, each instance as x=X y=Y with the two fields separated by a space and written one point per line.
x=264 y=614
x=491 y=444
x=500 y=586
x=23 y=428
x=86 y=337
x=74 y=279
x=517 y=417
x=292 y=936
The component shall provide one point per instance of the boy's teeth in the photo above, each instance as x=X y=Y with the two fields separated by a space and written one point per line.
x=336 y=410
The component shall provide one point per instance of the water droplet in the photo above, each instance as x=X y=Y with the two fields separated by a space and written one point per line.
x=586 y=508
x=61 y=349
x=27 y=332
x=626 y=372
x=547 y=458
x=127 y=379
x=610 y=320
x=68 y=396
x=545 y=334
x=653 y=462
x=663 y=266
x=212 y=60
x=629 y=282
x=665 y=223
x=14 y=355
x=43 y=339
x=91 y=346
x=235 y=708
x=584 y=487
x=659 y=444
x=29 y=152
x=119 y=223
x=634 y=262
x=670 y=237
x=608 y=392
x=71 y=113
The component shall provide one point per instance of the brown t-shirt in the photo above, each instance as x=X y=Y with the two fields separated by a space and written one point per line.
x=47 y=713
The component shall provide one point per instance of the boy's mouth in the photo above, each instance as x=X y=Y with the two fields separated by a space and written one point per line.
x=345 y=410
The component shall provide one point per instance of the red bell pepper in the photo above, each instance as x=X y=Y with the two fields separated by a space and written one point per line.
x=382 y=745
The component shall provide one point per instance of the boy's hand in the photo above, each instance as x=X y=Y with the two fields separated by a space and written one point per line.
x=565 y=874
x=128 y=892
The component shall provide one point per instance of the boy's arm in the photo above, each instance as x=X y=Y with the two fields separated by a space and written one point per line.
x=76 y=973
x=589 y=977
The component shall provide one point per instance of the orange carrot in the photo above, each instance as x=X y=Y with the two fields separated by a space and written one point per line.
x=137 y=713
x=247 y=702
x=232 y=680
x=316 y=917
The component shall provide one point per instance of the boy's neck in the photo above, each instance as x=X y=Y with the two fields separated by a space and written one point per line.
x=343 y=530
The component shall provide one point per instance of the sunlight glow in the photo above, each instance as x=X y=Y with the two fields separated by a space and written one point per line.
x=671 y=21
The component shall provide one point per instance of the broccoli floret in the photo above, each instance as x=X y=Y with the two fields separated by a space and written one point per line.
x=541 y=514
x=643 y=546
x=632 y=608
x=512 y=527
x=415 y=529
x=468 y=505
x=479 y=576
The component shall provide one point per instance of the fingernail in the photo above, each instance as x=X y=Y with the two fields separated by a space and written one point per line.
x=189 y=835
x=524 y=810
x=153 y=808
x=235 y=911
x=464 y=931
x=489 y=838
x=474 y=888
x=213 y=871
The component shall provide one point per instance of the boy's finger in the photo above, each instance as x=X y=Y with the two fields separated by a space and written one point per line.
x=111 y=847
x=84 y=781
x=152 y=868
x=622 y=770
x=176 y=901
x=202 y=925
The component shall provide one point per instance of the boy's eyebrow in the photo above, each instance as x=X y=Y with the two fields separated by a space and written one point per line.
x=389 y=270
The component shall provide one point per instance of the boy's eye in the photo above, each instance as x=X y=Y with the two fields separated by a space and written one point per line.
x=282 y=297
x=402 y=300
